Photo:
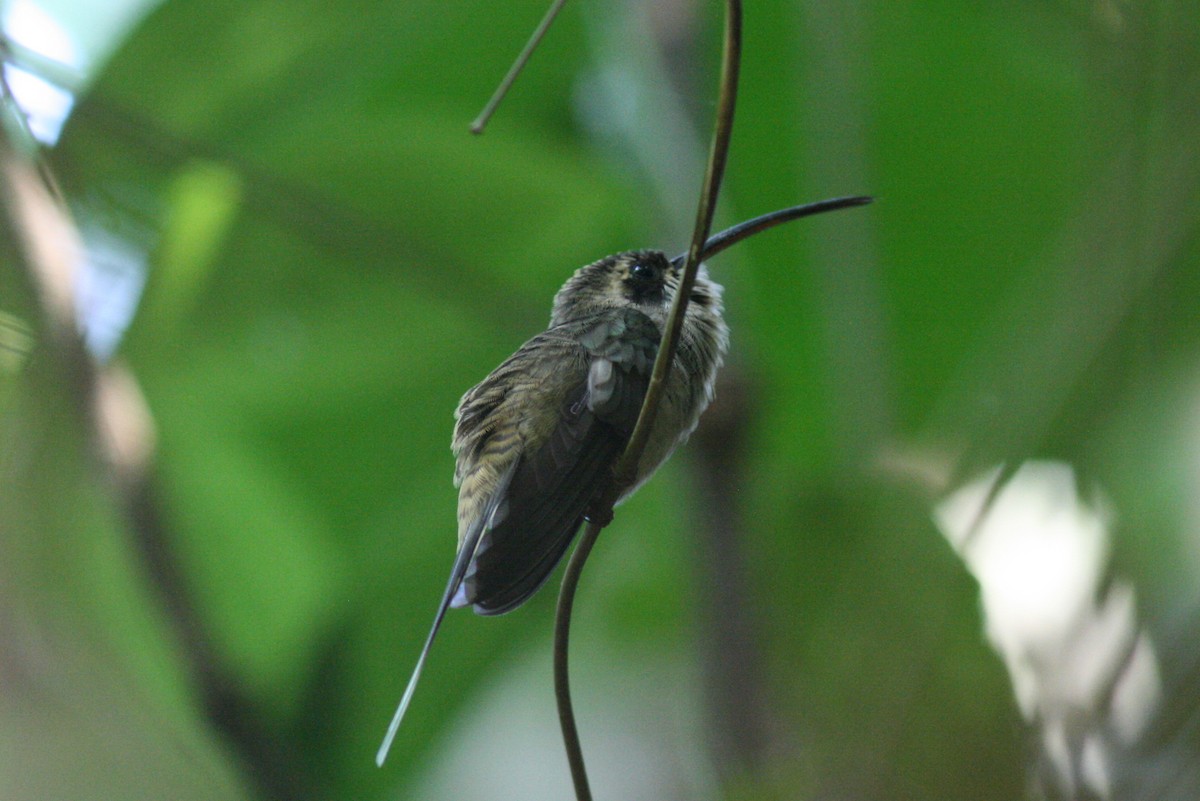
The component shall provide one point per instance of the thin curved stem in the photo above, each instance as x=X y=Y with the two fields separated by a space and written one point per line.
x=507 y=81
x=562 y=676
x=627 y=466
x=726 y=102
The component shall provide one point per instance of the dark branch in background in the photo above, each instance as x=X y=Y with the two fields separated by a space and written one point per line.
x=742 y=731
x=262 y=755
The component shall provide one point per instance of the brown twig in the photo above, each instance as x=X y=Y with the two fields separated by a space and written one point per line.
x=507 y=81
x=627 y=466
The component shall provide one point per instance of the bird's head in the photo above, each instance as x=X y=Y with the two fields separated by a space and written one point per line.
x=643 y=279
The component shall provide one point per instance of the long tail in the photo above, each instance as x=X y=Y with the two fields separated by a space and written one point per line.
x=492 y=514
x=465 y=554
x=455 y=578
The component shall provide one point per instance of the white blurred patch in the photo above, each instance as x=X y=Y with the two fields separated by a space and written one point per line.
x=45 y=105
x=109 y=286
x=639 y=720
x=1081 y=669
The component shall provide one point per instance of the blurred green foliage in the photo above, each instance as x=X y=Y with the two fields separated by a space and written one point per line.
x=332 y=260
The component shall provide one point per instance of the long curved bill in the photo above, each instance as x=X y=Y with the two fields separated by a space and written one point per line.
x=731 y=236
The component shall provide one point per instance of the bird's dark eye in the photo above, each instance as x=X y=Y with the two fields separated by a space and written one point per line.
x=642 y=272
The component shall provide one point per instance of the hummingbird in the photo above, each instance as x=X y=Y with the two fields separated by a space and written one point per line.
x=536 y=441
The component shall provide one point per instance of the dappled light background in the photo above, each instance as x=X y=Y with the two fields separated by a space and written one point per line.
x=938 y=537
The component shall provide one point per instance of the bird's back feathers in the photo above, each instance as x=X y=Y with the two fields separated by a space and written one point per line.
x=560 y=472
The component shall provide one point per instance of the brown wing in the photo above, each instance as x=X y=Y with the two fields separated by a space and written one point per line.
x=525 y=487
x=561 y=471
